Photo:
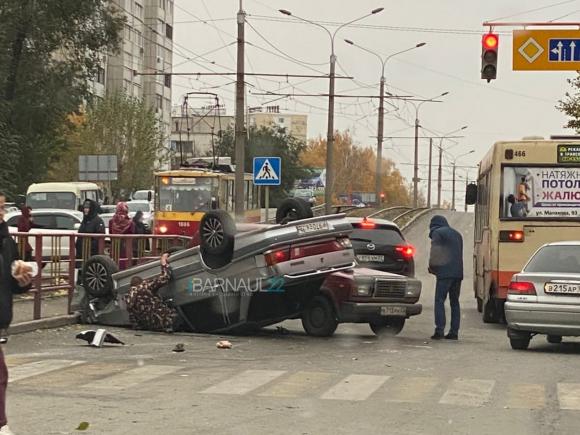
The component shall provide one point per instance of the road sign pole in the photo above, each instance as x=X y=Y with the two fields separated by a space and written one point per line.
x=267 y=203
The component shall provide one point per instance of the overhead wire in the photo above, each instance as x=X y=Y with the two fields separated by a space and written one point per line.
x=529 y=11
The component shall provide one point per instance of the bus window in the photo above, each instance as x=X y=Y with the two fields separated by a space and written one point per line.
x=482 y=211
x=186 y=194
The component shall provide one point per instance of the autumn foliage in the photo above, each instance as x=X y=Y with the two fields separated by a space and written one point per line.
x=355 y=168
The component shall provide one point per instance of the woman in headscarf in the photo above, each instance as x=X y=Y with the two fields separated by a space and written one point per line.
x=24 y=225
x=121 y=223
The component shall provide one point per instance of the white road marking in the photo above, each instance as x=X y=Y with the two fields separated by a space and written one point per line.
x=36 y=368
x=244 y=382
x=569 y=396
x=298 y=384
x=412 y=389
x=355 y=387
x=468 y=392
x=131 y=378
x=526 y=396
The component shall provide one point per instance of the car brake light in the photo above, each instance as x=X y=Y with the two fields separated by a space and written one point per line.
x=278 y=256
x=406 y=251
x=367 y=224
x=521 y=288
x=511 y=236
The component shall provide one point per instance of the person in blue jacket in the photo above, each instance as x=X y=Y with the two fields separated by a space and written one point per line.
x=446 y=263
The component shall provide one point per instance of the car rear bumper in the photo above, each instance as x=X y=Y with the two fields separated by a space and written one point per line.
x=364 y=312
x=543 y=318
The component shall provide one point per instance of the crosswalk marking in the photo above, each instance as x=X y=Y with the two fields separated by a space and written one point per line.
x=36 y=368
x=355 y=387
x=569 y=396
x=298 y=384
x=245 y=382
x=468 y=392
x=526 y=396
x=130 y=378
x=413 y=389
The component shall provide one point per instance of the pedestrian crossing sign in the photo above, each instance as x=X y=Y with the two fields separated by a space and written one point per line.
x=267 y=171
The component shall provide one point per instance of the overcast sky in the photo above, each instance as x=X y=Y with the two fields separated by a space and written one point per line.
x=515 y=105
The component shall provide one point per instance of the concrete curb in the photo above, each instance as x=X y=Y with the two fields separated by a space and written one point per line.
x=48 y=323
x=415 y=218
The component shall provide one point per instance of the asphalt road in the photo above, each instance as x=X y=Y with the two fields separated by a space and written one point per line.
x=283 y=382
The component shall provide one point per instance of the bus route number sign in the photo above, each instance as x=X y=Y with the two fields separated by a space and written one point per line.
x=569 y=154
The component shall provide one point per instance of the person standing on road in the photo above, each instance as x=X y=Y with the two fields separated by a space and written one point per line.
x=122 y=224
x=8 y=286
x=91 y=224
x=446 y=263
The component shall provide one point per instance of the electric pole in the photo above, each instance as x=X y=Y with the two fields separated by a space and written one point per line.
x=466 y=184
x=453 y=193
x=416 y=165
x=378 y=177
x=430 y=164
x=240 y=146
x=329 y=182
x=439 y=175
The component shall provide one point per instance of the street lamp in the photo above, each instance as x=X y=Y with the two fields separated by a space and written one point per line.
x=454 y=163
x=416 y=168
x=383 y=61
x=441 y=162
x=330 y=129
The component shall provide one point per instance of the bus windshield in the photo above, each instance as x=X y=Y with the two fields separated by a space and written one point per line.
x=536 y=192
x=186 y=193
x=61 y=200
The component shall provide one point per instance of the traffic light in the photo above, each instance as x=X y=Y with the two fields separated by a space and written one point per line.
x=490 y=43
x=382 y=197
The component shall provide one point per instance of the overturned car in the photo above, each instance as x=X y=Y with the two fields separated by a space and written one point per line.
x=239 y=278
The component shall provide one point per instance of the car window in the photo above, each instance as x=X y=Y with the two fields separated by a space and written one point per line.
x=141 y=195
x=44 y=221
x=555 y=259
x=138 y=206
x=64 y=222
x=66 y=200
x=378 y=236
x=13 y=221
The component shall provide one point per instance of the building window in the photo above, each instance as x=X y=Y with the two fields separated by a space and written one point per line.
x=139 y=10
x=162 y=4
x=168 y=80
x=160 y=29
x=281 y=120
x=100 y=75
x=169 y=31
x=159 y=102
x=139 y=38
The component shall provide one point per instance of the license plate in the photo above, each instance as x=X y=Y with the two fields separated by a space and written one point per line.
x=312 y=227
x=562 y=288
x=371 y=258
x=393 y=311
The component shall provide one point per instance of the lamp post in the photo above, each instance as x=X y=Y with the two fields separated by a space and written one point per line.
x=328 y=189
x=383 y=61
x=454 y=163
x=416 y=165
x=441 y=162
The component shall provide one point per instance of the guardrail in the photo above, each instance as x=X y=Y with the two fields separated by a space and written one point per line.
x=59 y=262
x=386 y=213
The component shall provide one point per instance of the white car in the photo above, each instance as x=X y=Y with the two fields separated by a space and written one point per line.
x=142 y=195
x=145 y=206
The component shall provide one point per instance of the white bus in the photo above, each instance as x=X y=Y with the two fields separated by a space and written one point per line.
x=69 y=195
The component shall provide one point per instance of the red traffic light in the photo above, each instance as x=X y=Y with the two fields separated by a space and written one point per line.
x=490 y=41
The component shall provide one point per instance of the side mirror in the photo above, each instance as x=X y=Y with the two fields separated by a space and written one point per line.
x=471 y=194
x=149 y=196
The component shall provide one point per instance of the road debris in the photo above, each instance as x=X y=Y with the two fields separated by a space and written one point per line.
x=98 y=337
x=224 y=344
x=179 y=347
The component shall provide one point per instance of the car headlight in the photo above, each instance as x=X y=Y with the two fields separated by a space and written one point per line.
x=413 y=287
x=363 y=290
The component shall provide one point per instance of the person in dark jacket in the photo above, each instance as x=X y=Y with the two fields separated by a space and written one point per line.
x=8 y=286
x=91 y=224
x=140 y=245
x=446 y=263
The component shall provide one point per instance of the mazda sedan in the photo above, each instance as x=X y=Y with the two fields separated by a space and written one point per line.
x=544 y=298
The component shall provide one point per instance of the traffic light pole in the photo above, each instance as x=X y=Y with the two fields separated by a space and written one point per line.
x=430 y=165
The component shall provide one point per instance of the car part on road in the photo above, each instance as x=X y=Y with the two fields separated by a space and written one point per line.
x=389 y=326
x=319 y=318
x=293 y=209
x=98 y=337
x=224 y=344
x=97 y=276
x=217 y=233
x=519 y=340
x=554 y=339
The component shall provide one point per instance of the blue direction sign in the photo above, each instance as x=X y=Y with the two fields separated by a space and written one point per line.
x=267 y=171
x=564 y=50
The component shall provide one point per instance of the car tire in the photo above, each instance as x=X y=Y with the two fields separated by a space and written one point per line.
x=519 y=343
x=217 y=230
x=97 y=276
x=479 y=305
x=389 y=326
x=293 y=209
x=319 y=318
x=554 y=339
x=491 y=311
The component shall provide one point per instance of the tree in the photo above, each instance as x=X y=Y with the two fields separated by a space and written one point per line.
x=120 y=125
x=49 y=50
x=265 y=142
x=570 y=106
x=355 y=168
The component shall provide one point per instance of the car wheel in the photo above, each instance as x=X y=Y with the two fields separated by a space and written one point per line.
x=217 y=230
x=388 y=326
x=98 y=276
x=491 y=311
x=319 y=318
x=554 y=339
x=519 y=343
x=293 y=209
x=479 y=305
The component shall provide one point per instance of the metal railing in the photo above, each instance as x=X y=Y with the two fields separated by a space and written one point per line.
x=59 y=263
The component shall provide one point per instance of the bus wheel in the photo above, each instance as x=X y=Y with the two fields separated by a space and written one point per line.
x=98 y=276
x=293 y=209
x=491 y=311
x=217 y=232
x=479 y=304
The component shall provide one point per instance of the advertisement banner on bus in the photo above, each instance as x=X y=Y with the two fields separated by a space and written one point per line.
x=541 y=192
